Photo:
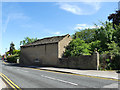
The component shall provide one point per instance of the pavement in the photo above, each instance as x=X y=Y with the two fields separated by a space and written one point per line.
x=96 y=73
x=2 y=84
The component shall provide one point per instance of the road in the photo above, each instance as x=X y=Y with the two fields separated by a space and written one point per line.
x=34 y=78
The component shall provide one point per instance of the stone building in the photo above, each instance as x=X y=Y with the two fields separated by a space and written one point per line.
x=46 y=51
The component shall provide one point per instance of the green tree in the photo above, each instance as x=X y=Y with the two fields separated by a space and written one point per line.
x=27 y=40
x=77 y=47
x=12 y=48
x=0 y=56
x=87 y=35
x=114 y=49
x=95 y=44
x=115 y=17
x=105 y=34
x=117 y=35
x=16 y=52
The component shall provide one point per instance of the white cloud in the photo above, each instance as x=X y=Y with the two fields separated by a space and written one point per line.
x=80 y=8
x=6 y=24
x=57 y=33
x=84 y=26
x=71 y=8
x=95 y=5
x=18 y=16
x=13 y=16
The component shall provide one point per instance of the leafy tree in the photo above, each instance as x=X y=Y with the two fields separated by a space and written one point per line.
x=0 y=56
x=117 y=35
x=115 y=17
x=16 y=52
x=105 y=34
x=114 y=49
x=95 y=44
x=77 y=47
x=27 y=40
x=87 y=35
x=12 y=47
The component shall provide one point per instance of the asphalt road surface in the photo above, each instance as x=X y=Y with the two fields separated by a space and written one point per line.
x=31 y=78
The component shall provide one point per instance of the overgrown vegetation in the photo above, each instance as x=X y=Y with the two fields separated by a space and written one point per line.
x=77 y=47
x=12 y=58
x=13 y=54
x=27 y=40
x=105 y=38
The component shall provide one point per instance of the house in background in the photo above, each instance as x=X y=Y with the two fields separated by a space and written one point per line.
x=46 y=51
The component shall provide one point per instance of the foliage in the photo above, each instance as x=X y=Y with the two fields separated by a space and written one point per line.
x=115 y=17
x=77 y=47
x=12 y=54
x=13 y=58
x=116 y=62
x=105 y=34
x=95 y=44
x=27 y=40
x=108 y=63
x=12 y=47
x=7 y=53
x=114 y=49
x=105 y=38
x=16 y=52
x=117 y=35
x=87 y=35
x=0 y=56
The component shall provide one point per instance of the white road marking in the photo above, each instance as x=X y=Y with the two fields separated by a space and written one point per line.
x=113 y=85
x=60 y=80
x=23 y=70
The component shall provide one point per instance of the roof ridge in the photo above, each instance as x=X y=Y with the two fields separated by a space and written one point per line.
x=50 y=37
x=37 y=41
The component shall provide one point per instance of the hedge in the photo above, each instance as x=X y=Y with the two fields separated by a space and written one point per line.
x=13 y=58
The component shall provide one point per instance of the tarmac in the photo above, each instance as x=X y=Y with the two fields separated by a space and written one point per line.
x=95 y=73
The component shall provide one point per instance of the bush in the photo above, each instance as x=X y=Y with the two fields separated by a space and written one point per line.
x=16 y=52
x=77 y=47
x=13 y=58
x=108 y=62
x=116 y=62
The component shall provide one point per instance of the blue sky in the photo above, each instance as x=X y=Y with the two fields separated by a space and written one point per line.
x=45 y=19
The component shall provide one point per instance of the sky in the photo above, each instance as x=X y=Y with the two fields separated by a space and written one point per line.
x=46 y=19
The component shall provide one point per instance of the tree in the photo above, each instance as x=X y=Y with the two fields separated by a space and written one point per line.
x=115 y=17
x=77 y=47
x=105 y=34
x=27 y=40
x=87 y=35
x=12 y=47
x=117 y=34
x=95 y=45
x=0 y=56
x=114 y=49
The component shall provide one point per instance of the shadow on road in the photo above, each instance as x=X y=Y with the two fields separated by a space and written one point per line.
x=30 y=66
x=43 y=66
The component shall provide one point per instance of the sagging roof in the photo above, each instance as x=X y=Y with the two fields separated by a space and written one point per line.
x=48 y=40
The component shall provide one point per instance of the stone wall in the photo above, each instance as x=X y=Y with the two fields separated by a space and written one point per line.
x=89 y=62
x=62 y=45
x=39 y=55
